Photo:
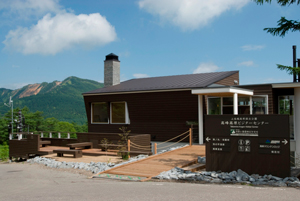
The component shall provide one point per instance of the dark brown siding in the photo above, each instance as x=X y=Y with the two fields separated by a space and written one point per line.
x=265 y=89
x=21 y=148
x=229 y=81
x=161 y=114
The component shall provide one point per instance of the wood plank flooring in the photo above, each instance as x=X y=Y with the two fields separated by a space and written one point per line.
x=155 y=164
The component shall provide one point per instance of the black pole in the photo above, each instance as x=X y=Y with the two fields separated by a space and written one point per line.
x=294 y=63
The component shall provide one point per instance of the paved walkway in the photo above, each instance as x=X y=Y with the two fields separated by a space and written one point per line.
x=156 y=164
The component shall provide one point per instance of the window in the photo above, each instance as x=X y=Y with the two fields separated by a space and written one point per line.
x=100 y=112
x=214 y=105
x=118 y=112
x=246 y=105
x=259 y=105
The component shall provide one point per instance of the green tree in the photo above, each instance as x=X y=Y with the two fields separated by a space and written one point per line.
x=283 y=27
x=50 y=124
x=36 y=122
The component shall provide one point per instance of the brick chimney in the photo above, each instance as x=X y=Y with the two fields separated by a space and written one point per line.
x=111 y=70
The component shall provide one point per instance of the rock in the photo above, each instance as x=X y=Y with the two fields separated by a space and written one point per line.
x=207 y=179
x=206 y=173
x=190 y=175
x=251 y=179
x=199 y=178
x=255 y=176
x=276 y=178
x=293 y=184
x=214 y=175
x=201 y=160
x=280 y=184
x=233 y=174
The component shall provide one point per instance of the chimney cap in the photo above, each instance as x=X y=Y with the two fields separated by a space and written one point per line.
x=112 y=56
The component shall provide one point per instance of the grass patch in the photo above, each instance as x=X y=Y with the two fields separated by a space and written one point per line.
x=4 y=152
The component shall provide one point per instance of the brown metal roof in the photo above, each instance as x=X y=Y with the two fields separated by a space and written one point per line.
x=165 y=83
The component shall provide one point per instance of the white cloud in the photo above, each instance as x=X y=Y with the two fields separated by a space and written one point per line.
x=206 y=68
x=63 y=31
x=140 y=75
x=252 y=47
x=246 y=63
x=190 y=14
x=30 y=7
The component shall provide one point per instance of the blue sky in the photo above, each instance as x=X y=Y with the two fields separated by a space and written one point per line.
x=47 y=40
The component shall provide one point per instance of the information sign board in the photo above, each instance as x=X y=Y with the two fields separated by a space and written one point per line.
x=257 y=144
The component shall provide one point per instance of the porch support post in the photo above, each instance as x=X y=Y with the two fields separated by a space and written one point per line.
x=297 y=118
x=235 y=103
x=200 y=118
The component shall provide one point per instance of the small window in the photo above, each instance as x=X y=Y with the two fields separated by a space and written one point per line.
x=119 y=113
x=100 y=112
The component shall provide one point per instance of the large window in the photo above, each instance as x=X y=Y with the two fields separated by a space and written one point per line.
x=100 y=112
x=246 y=105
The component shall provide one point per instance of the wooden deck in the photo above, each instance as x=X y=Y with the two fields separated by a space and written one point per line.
x=154 y=165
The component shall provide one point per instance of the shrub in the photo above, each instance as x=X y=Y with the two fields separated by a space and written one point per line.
x=4 y=152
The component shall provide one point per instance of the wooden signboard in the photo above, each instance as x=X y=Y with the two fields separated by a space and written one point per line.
x=256 y=144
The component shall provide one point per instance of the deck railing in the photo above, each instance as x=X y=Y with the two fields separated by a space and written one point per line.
x=48 y=134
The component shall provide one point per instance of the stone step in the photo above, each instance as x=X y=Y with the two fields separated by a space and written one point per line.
x=194 y=167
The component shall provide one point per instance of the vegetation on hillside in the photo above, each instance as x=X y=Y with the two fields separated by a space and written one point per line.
x=63 y=102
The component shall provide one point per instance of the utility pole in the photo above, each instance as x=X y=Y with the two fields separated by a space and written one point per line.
x=11 y=104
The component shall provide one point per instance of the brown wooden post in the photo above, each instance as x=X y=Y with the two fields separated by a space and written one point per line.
x=191 y=131
x=128 y=141
x=155 y=148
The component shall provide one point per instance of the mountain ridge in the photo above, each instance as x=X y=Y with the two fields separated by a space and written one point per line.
x=60 y=99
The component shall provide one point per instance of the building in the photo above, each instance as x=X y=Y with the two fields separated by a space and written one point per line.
x=161 y=106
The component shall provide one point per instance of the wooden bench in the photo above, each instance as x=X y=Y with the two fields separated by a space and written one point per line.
x=85 y=145
x=44 y=142
x=75 y=153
